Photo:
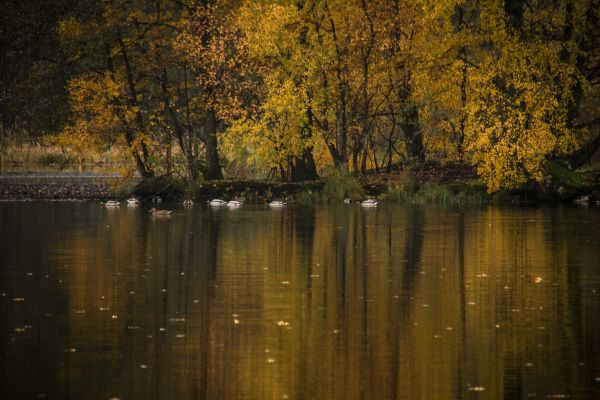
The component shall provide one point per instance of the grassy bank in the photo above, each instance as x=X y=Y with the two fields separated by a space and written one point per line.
x=332 y=189
x=433 y=186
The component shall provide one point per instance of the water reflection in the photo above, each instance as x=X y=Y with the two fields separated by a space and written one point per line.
x=301 y=303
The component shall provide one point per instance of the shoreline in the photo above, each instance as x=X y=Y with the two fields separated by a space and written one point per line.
x=54 y=191
x=257 y=192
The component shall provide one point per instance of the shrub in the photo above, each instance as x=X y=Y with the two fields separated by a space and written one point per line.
x=432 y=193
x=339 y=185
x=59 y=159
x=403 y=190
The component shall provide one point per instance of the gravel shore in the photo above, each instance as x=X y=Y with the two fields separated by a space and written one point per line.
x=53 y=191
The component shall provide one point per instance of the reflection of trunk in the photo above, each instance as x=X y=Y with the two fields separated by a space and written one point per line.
x=213 y=166
x=209 y=245
x=462 y=354
x=304 y=228
x=413 y=248
x=342 y=217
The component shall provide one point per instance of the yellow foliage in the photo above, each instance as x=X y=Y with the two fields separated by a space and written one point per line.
x=69 y=29
x=512 y=108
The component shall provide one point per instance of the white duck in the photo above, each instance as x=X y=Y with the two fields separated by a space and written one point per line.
x=277 y=204
x=111 y=203
x=369 y=203
x=133 y=201
x=217 y=203
x=188 y=203
x=235 y=204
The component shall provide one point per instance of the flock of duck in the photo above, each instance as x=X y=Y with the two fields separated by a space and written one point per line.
x=134 y=202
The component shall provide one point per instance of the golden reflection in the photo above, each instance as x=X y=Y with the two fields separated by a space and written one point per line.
x=324 y=303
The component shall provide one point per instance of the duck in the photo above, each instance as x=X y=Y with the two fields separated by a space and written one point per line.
x=188 y=203
x=235 y=203
x=134 y=201
x=369 y=203
x=347 y=200
x=217 y=203
x=160 y=213
x=277 y=203
x=111 y=203
x=157 y=200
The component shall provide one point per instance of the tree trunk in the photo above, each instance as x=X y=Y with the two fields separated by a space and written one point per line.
x=304 y=167
x=514 y=10
x=213 y=166
x=412 y=135
x=185 y=146
x=141 y=161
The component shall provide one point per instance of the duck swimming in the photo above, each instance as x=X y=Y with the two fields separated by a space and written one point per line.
x=160 y=213
x=188 y=203
x=369 y=203
x=133 y=201
x=111 y=203
x=277 y=203
x=217 y=203
x=235 y=204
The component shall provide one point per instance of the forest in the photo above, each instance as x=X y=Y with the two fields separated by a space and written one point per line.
x=292 y=90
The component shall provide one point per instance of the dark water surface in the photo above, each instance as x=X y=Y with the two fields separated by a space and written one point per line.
x=302 y=303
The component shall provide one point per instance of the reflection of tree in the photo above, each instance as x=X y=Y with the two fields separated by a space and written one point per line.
x=462 y=354
x=358 y=325
x=413 y=249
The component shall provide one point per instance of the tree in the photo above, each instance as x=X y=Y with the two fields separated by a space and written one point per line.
x=213 y=47
x=503 y=83
x=32 y=71
x=132 y=54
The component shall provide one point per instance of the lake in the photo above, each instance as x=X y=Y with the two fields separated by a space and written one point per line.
x=398 y=302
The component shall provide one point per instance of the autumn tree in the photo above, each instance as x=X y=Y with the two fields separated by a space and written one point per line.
x=224 y=78
x=279 y=133
x=152 y=90
x=501 y=82
x=334 y=74
x=294 y=86
x=109 y=97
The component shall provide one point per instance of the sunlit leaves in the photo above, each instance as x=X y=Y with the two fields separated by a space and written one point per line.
x=359 y=83
x=511 y=112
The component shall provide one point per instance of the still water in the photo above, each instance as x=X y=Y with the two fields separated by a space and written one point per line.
x=303 y=303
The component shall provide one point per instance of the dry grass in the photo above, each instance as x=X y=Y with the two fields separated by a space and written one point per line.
x=18 y=148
